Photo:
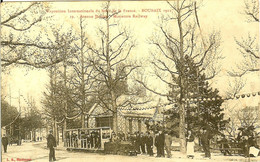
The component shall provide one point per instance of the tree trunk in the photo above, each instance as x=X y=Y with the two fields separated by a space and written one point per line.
x=64 y=131
x=82 y=90
x=55 y=129
x=182 y=107
x=57 y=134
x=115 y=122
x=65 y=95
x=182 y=129
x=83 y=121
x=110 y=77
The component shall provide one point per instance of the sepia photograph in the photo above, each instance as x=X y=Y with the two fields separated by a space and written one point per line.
x=146 y=81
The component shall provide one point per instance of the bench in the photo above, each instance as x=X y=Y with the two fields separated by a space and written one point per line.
x=23 y=140
x=231 y=147
x=232 y=150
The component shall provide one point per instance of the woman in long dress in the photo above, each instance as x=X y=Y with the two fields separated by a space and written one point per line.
x=190 y=145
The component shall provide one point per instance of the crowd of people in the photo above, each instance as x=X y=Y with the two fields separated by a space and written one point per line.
x=245 y=139
x=87 y=139
x=144 y=142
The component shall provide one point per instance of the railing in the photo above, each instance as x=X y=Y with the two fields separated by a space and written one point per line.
x=87 y=138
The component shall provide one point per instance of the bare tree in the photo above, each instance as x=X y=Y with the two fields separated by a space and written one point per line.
x=83 y=80
x=109 y=59
x=56 y=99
x=235 y=87
x=242 y=118
x=19 y=45
x=251 y=10
x=52 y=102
x=248 y=47
x=232 y=126
x=248 y=116
x=174 y=47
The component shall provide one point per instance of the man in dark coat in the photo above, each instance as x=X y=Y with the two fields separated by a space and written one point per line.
x=205 y=142
x=159 y=143
x=51 y=143
x=68 y=143
x=98 y=140
x=142 y=142
x=243 y=140
x=149 y=144
x=92 y=136
x=5 y=143
x=156 y=143
x=138 y=142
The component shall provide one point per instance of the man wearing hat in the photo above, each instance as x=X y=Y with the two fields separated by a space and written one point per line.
x=51 y=143
x=204 y=136
x=159 y=143
x=149 y=144
x=5 y=142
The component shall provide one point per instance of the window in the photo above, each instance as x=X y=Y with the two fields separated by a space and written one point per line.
x=104 y=122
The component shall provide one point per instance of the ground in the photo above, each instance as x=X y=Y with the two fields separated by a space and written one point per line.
x=37 y=152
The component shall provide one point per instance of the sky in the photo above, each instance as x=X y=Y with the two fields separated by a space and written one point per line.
x=221 y=15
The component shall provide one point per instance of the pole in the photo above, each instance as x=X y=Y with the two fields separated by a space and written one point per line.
x=19 y=126
x=163 y=120
x=10 y=95
x=65 y=95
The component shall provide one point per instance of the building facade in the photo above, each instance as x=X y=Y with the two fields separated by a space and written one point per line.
x=128 y=121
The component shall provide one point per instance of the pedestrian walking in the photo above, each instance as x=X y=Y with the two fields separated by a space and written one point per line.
x=190 y=144
x=168 y=143
x=149 y=144
x=5 y=142
x=51 y=143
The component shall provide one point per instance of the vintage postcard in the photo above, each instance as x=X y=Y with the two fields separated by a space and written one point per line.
x=130 y=81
